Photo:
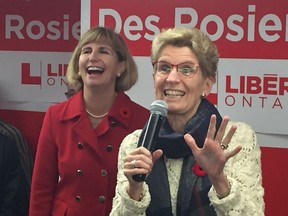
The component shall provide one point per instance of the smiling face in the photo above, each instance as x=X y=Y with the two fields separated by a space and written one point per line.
x=182 y=94
x=99 y=66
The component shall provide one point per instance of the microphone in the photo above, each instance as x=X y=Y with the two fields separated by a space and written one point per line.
x=158 y=111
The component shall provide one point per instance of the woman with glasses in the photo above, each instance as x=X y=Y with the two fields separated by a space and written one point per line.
x=203 y=164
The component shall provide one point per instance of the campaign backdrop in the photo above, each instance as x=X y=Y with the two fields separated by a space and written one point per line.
x=37 y=39
x=252 y=82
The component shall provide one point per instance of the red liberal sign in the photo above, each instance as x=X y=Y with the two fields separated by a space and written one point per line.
x=39 y=25
x=240 y=29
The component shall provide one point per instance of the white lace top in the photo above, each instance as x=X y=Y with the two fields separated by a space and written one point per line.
x=243 y=170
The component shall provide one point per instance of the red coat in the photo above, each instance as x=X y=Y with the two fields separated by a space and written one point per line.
x=76 y=166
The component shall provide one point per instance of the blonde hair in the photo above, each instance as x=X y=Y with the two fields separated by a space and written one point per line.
x=201 y=45
x=105 y=36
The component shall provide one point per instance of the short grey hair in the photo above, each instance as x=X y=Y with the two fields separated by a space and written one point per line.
x=199 y=42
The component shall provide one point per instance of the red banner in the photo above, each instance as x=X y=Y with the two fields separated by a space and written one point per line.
x=39 y=25
x=241 y=29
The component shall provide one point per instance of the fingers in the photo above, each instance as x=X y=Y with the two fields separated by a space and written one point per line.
x=137 y=158
x=140 y=161
x=232 y=153
x=221 y=130
x=211 y=133
x=212 y=127
x=218 y=138
x=156 y=155
x=225 y=142
x=133 y=164
x=191 y=142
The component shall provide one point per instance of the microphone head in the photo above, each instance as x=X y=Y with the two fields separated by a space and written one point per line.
x=159 y=107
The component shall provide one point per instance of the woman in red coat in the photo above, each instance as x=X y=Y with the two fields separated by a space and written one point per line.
x=76 y=160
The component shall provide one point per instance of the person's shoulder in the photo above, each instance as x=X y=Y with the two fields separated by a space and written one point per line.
x=9 y=129
x=139 y=107
x=7 y=143
x=14 y=134
x=4 y=138
x=241 y=126
x=60 y=107
x=134 y=135
x=131 y=140
x=244 y=136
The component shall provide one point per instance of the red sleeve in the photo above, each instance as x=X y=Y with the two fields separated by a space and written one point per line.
x=45 y=173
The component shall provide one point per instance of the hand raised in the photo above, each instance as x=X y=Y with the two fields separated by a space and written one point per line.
x=212 y=157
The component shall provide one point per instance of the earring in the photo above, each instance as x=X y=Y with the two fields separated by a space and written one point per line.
x=79 y=74
x=119 y=74
x=203 y=95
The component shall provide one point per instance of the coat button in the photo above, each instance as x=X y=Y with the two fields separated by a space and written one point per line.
x=78 y=198
x=101 y=199
x=80 y=145
x=79 y=172
x=103 y=172
x=109 y=148
x=113 y=123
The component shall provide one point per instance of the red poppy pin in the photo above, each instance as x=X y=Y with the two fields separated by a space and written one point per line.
x=198 y=171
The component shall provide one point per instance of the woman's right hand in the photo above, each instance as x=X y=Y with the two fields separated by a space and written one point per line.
x=138 y=161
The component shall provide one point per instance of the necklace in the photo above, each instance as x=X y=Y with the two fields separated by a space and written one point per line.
x=97 y=116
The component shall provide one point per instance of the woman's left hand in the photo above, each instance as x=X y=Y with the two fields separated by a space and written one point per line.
x=212 y=158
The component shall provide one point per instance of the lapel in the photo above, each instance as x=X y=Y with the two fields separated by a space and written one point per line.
x=186 y=186
x=74 y=112
x=84 y=131
x=192 y=196
x=157 y=180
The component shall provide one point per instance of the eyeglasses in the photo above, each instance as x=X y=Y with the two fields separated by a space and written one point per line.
x=185 y=69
